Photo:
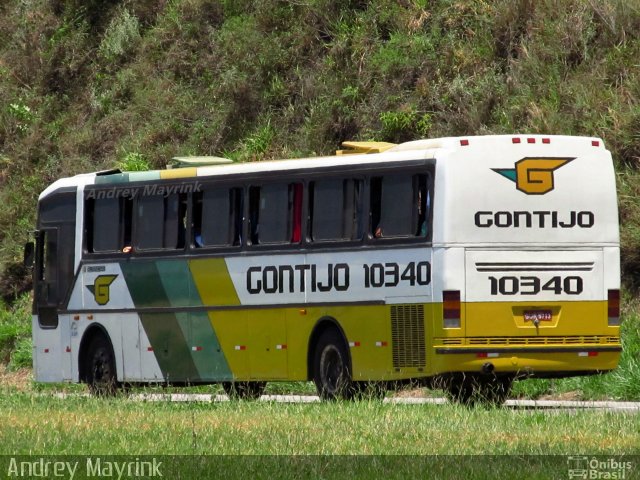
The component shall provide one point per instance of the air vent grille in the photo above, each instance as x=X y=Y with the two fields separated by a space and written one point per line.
x=407 y=333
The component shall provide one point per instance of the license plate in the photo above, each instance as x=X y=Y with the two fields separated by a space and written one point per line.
x=538 y=316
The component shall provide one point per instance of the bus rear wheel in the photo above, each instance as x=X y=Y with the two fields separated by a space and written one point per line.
x=101 y=368
x=331 y=372
x=244 y=390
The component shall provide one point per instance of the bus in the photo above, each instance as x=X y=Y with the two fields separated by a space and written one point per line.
x=459 y=263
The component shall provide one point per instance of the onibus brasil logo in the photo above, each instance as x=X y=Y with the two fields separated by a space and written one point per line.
x=100 y=288
x=534 y=175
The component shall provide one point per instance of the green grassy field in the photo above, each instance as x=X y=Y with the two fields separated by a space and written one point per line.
x=41 y=424
x=312 y=440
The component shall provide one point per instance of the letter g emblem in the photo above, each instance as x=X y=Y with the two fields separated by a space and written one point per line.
x=534 y=175
x=100 y=288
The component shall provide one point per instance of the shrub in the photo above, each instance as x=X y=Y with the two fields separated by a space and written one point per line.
x=121 y=37
x=134 y=162
x=15 y=333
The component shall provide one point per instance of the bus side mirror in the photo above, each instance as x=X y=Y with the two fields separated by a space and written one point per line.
x=29 y=254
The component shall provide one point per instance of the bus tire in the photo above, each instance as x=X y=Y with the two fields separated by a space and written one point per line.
x=331 y=371
x=101 y=368
x=244 y=390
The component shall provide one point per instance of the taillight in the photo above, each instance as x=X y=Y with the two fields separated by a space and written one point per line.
x=613 y=307
x=451 y=308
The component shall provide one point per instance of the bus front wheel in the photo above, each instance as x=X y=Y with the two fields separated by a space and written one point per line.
x=101 y=376
x=244 y=390
x=331 y=372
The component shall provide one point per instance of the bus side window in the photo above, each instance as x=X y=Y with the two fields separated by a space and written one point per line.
x=423 y=201
x=375 y=206
x=175 y=221
x=327 y=206
x=254 y=214
x=399 y=206
x=237 y=215
x=149 y=222
x=295 y=207
x=275 y=213
x=218 y=217
x=126 y=219
x=105 y=228
x=336 y=209
x=160 y=222
x=354 y=213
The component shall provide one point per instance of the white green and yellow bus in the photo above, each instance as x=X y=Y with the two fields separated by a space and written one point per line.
x=460 y=262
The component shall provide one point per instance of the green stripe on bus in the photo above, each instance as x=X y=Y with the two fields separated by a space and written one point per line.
x=144 y=176
x=113 y=178
x=210 y=361
x=177 y=283
x=170 y=346
x=205 y=349
x=144 y=283
x=167 y=334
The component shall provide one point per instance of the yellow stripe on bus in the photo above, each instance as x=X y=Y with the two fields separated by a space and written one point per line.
x=179 y=173
x=213 y=282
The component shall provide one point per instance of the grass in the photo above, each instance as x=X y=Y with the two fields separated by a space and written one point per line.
x=40 y=424
x=15 y=334
x=365 y=439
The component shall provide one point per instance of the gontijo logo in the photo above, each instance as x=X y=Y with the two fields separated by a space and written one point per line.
x=100 y=288
x=534 y=175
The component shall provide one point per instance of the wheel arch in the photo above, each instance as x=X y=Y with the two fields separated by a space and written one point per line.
x=94 y=331
x=321 y=326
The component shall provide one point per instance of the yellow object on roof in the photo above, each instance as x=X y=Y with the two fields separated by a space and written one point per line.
x=364 y=147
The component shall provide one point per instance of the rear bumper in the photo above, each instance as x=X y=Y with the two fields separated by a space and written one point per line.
x=527 y=350
x=534 y=361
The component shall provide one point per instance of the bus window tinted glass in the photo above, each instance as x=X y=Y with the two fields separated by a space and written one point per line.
x=160 y=222
x=399 y=206
x=336 y=210
x=149 y=220
x=275 y=213
x=106 y=228
x=218 y=217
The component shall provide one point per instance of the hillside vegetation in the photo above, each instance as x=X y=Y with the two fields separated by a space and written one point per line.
x=87 y=84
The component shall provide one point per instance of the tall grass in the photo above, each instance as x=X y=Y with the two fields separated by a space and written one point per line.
x=78 y=425
x=15 y=334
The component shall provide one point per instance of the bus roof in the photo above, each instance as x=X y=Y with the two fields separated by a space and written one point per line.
x=364 y=153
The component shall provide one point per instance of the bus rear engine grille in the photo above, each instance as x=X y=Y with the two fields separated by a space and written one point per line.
x=407 y=334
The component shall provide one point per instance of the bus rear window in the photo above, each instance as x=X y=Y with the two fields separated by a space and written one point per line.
x=399 y=206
